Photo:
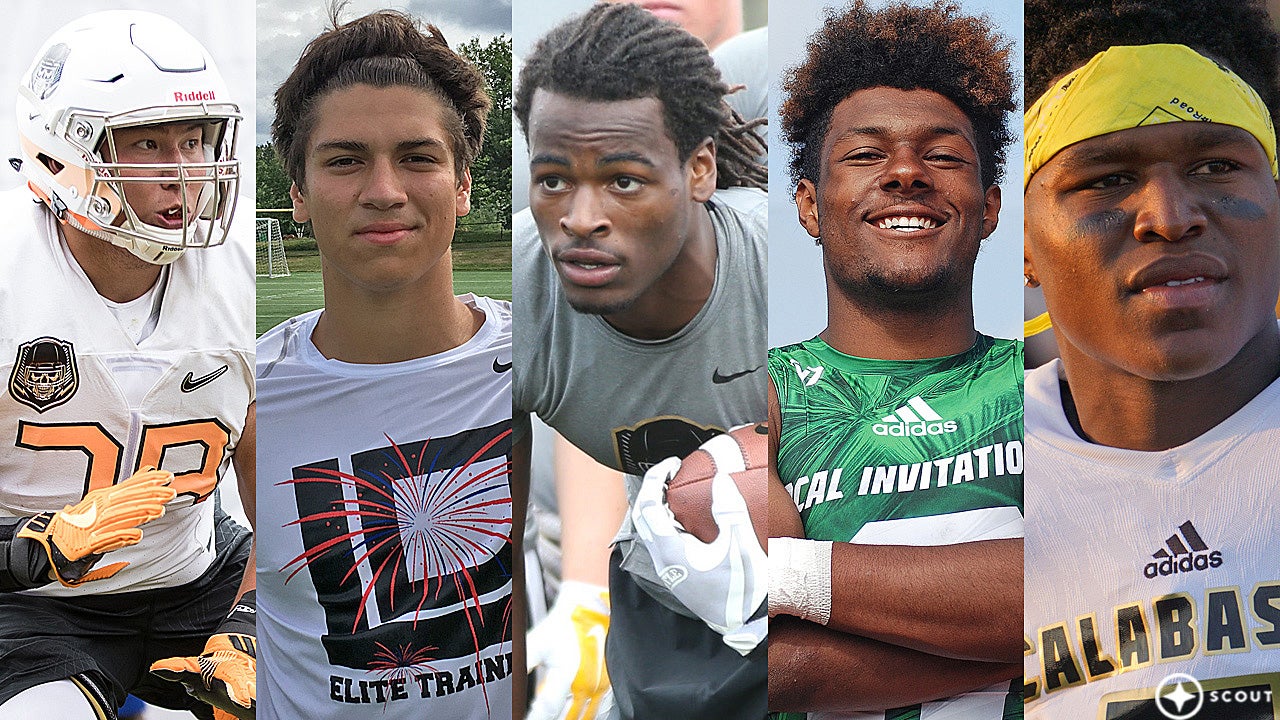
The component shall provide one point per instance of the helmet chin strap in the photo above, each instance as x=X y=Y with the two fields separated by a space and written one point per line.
x=154 y=252
x=150 y=252
x=150 y=249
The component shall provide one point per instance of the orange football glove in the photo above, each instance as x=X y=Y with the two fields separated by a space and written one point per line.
x=107 y=519
x=225 y=674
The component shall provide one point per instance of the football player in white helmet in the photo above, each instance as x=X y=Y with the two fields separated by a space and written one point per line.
x=123 y=354
x=130 y=138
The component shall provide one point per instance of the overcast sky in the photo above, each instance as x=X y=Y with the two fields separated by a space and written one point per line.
x=286 y=26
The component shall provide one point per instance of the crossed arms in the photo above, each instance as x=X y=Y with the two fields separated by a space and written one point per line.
x=947 y=617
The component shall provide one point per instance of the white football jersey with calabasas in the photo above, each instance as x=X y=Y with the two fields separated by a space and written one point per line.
x=84 y=405
x=1152 y=578
x=384 y=526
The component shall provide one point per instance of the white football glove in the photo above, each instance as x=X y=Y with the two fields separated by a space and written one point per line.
x=568 y=644
x=724 y=582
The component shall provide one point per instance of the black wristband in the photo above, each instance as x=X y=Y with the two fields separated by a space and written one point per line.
x=243 y=618
x=23 y=561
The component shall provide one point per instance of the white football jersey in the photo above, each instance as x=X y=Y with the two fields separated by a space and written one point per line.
x=1143 y=568
x=85 y=406
x=384 y=523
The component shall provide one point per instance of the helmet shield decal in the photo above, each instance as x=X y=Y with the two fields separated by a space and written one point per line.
x=47 y=73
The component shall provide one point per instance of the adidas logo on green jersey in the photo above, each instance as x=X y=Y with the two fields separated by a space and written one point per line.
x=915 y=419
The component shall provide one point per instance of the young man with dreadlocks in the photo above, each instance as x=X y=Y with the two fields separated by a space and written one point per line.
x=898 y=430
x=640 y=295
x=386 y=569
x=1153 y=587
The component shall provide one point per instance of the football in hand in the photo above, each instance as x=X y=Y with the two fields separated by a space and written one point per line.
x=746 y=459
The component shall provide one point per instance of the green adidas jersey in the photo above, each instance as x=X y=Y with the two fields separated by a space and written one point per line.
x=905 y=452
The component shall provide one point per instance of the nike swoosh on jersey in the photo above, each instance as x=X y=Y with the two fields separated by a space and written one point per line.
x=500 y=367
x=191 y=383
x=718 y=379
x=83 y=520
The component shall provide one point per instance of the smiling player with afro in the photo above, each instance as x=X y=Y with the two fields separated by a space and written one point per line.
x=908 y=47
x=898 y=118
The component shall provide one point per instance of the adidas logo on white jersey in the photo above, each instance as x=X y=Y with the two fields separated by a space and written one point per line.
x=1181 y=557
x=915 y=419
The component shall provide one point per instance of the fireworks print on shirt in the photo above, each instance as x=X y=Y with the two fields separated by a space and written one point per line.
x=410 y=553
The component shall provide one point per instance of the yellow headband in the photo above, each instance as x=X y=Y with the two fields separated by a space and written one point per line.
x=1130 y=86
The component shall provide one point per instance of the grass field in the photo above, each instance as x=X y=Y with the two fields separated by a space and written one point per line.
x=480 y=268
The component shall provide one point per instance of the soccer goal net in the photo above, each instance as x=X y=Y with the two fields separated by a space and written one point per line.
x=271 y=259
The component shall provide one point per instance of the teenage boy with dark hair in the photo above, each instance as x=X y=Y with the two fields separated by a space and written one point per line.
x=386 y=570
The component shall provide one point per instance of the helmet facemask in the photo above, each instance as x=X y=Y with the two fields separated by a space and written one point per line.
x=206 y=189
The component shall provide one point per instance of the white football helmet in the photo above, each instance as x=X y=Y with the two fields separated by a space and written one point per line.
x=124 y=69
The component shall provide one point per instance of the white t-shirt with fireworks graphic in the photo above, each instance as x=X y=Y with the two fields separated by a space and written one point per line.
x=384 y=522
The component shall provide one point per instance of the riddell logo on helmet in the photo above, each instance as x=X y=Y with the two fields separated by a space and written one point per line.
x=193 y=96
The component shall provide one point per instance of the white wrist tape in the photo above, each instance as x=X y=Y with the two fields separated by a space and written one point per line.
x=800 y=579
